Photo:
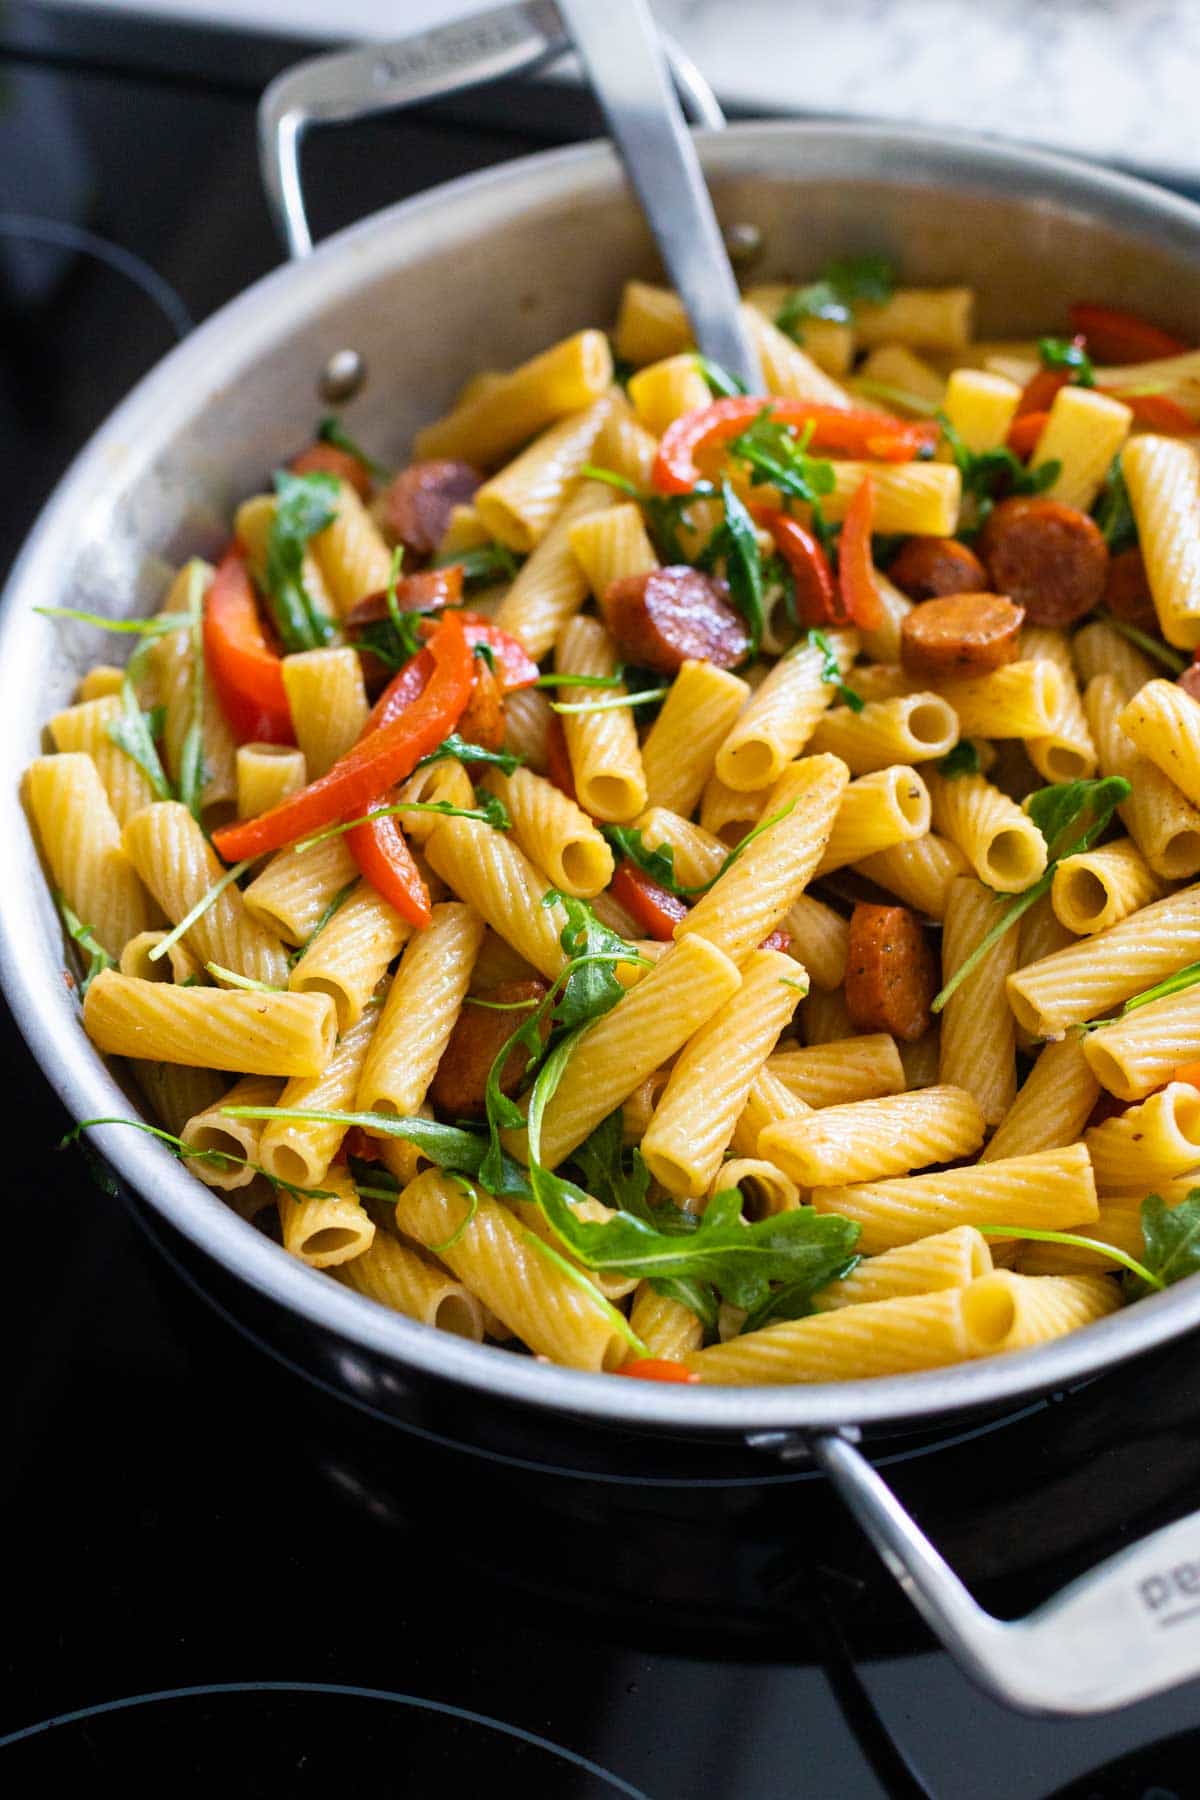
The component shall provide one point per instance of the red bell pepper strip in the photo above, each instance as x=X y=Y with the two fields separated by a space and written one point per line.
x=515 y=668
x=817 y=601
x=1114 y=336
x=850 y=431
x=380 y=849
x=856 y=572
x=404 y=687
x=655 y=908
x=656 y=1368
x=1024 y=433
x=246 y=673
x=377 y=762
x=1158 y=412
x=558 y=759
x=327 y=459
x=1037 y=396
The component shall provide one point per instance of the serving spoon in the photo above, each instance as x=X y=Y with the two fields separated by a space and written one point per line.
x=622 y=55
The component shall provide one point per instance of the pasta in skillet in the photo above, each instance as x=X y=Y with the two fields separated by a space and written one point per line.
x=682 y=883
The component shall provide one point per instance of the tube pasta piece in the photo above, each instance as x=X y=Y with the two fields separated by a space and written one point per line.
x=296 y=889
x=171 y=671
x=84 y=729
x=896 y=366
x=949 y=1259
x=782 y=715
x=919 y=872
x=768 y=1102
x=419 y=1014
x=1119 y=1223
x=1021 y=700
x=101 y=680
x=496 y=878
x=176 y=1094
x=1090 y=977
x=649 y=1024
x=444 y=783
x=1052 y=1189
x=711 y=1080
x=910 y=728
x=493 y=1256
x=663 y=391
x=825 y=1018
x=347 y=958
x=876 y=812
x=612 y=544
x=867 y=1140
x=1100 y=649
x=881 y=1337
x=920 y=1059
x=603 y=746
x=397 y=1277
x=680 y=749
x=1163 y=478
x=819 y=940
x=1138 y=1053
x=267 y=774
x=1162 y=822
x=1013 y=1312
x=1065 y=752
x=527 y=723
x=210 y=1129
x=921 y=318
x=519 y=505
x=1085 y=430
x=883 y=643
x=1148 y=1143
x=252 y=530
x=1003 y=846
x=326 y=1232
x=980 y=408
x=753 y=896
x=609 y=1283
x=1163 y=722
x=1052 y=1107
x=210 y=1028
x=492 y=422
x=697 y=855
x=766 y=1191
x=1099 y=888
x=787 y=369
x=978 y=1040
x=554 y=832
x=829 y=343
x=177 y=965
x=403 y=1159
x=651 y=324
x=82 y=843
x=328 y=703
x=179 y=866
x=300 y=1151
x=465 y=531
x=351 y=554
x=551 y=586
x=667 y=1327
x=841 y=1071
x=624 y=445
x=917 y=498
x=727 y=814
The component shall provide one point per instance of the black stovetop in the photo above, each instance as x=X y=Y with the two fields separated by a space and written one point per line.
x=217 y=1578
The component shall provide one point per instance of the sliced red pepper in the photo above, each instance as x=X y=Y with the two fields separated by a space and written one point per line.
x=515 y=668
x=655 y=908
x=1158 y=412
x=558 y=760
x=327 y=459
x=376 y=763
x=380 y=849
x=1114 y=336
x=246 y=673
x=817 y=601
x=656 y=1368
x=1037 y=396
x=428 y=590
x=856 y=572
x=404 y=687
x=850 y=431
x=1024 y=433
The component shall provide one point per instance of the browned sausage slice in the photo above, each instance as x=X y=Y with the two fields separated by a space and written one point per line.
x=960 y=634
x=927 y=567
x=1050 y=558
x=663 y=619
x=480 y=1033
x=891 y=972
x=1127 y=591
x=420 y=500
x=327 y=459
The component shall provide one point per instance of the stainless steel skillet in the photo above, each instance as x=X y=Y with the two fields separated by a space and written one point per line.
x=486 y=271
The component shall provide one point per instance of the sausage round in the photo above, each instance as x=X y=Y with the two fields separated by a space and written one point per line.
x=1050 y=558
x=327 y=459
x=891 y=972
x=960 y=634
x=664 y=619
x=480 y=1033
x=420 y=500
x=1127 y=591
x=927 y=567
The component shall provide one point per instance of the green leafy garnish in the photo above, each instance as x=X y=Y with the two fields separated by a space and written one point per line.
x=991 y=475
x=85 y=937
x=1113 y=511
x=158 y=626
x=457 y=748
x=339 y=899
x=202 y=905
x=130 y=731
x=451 y=1147
x=330 y=431
x=840 y=287
x=1062 y=353
x=774 y=453
x=611 y=703
x=1078 y=1241
x=219 y=1159
x=1171 y=1235
x=306 y=504
x=231 y=978
x=493 y=812
x=1177 y=983
x=396 y=639
x=1071 y=816
x=962 y=760
x=832 y=673
x=612 y=1172
x=659 y=863
x=1149 y=646
x=734 y=542
x=587 y=681
x=721 y=383
x=665 y=514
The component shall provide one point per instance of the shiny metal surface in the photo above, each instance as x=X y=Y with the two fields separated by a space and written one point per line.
x=559 y=235
x=624 y=63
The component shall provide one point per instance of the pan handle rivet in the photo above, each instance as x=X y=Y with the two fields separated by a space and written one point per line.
x=342 y=376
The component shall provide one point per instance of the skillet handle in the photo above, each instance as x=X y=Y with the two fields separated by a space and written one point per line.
x=377 y=78
x=1127 y=1629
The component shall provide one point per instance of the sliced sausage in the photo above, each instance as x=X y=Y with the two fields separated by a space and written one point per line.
x=927 y=567
x=483 y=721
x=1127 y=591
x=663 y=619
x=960 y=634
x=327 y=459
x=891 y=972
x=418 y=504
x=480 y=1033
x=1049 y=557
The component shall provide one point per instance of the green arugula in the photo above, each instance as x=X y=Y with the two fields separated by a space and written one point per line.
x=231 y=978
x=159 y=626
x=962 y=760
x=840 y=287
x=774 y=453
x=1071 y=816
x=85 y=937
x=483 y=565
x=1171 y=1235
x=339 y=900
x=396 y=639
x=455 y=747
x=612 y=703
x=306 y=504
x=831 y=671
x=1149 y=646
x=1113 y=511
x=131 y=732
x=665 y=514
x=493 y=812
x=1077 y=1241
x=736 y=544
x=611 y=1172
x=586 y=681
x=1177 y=983
x=453 y=1148
x=330 y=431
x=207 y=899
x=721 y=384
x=218 y=1159
x=1062 y=353
x=659 y=863
x=991 y=475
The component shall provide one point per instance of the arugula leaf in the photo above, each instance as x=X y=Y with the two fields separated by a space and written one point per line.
x=1150 y=646
x=658 y=864
x=832 y=673
x=330 y=431
x=493 y=812
x=721 y=383
x=220 y=1159
x=612 y=702
x=793 y=1299
x=130 y=732
x=665 y=514
x=1177 y=983
x=231 y=978
x=159 y=626
x=201 y=907
x=991 y=475
x=1062 y=353
x=482 y=565
x=306 y=504
x=774 y=453
x=85 y=937
x=735 y=541
x=1078 y=1241
x=962 y=760
x=840 y=287
x=619 y=1180
x=457 y=747
x=451 y=1147
x=591 y=988
x=396 y=639
x=1113 y=511
x=1171 y=1235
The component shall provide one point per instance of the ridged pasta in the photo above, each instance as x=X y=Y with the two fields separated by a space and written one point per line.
x=397 y=1277
x=624 y=445
x=84 y=729
x=603 y=746
x=949 y=1259
x=1014 y=1312
x=978 y=1041
x=1100 y=649
x=178 y=964
x=520 y=504
x=351 y=553
x=841 y=1071
x=610 y=545
x=172 y=675
x=980 y=408
x=663 y=391
x=488 y=426
x=328 y=703
x=1003 y=846
x=1163 y=478
x=1066 y=751
x=555 y=833
x=1162 y=822
x=787 y=369
x=1100 y=887
x=919 y=871
x=210 y=1129
x=1163 y=722
x=666 y=1327
x=300 y=1150
x=420 y=1012
x=1052 y=1107
x=768 y=1103
x=210 y=1028
x=920 y=1060
x=921 y=498
x=890 y=806
x=347 y=958
x=493 y=875
x=766 y=1191
x=882 y=1337
x=780 y=717
x=867 y=1140
x=825 y=1019
x=1139 y=1052
x=1020 y=700
x=82 y=843
x=819 y=939
x=1151 y=1142
x=551 y=586
x=1085 y=430
x=727 y=814
x=679 y=751
x=267 y=774
x=527 y=724
x=296 y=888
x=910 y=728
x=328 y=1231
